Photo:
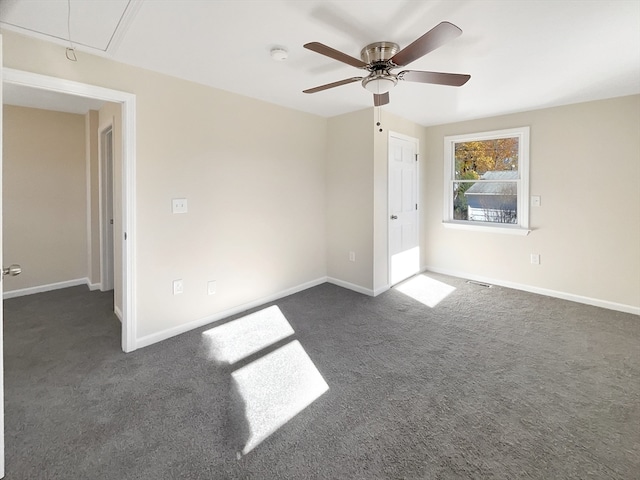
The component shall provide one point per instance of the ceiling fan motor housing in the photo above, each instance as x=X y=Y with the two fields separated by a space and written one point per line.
x=379 y=53
x=377 y=56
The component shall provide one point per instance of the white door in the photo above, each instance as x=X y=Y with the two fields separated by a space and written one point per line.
x=404 y=249
x=106 y=210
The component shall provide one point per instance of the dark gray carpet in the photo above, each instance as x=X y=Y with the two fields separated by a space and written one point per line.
x=491 y=383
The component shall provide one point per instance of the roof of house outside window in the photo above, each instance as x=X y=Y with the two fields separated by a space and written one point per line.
x=495 y=188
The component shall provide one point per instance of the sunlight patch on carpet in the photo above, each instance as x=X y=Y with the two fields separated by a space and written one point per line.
x=275 y=388
x=425 y=290
x=233 y=341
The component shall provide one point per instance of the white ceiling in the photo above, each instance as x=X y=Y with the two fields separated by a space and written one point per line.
x=521 y=55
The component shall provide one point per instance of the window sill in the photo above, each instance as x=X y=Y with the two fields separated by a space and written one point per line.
x=515 y=230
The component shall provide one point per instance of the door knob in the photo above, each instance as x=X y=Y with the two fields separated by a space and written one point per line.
x=12 y=270
x=394 y=217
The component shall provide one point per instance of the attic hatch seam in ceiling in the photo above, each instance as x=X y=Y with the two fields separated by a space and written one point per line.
x=115 y=30
x=63 y=39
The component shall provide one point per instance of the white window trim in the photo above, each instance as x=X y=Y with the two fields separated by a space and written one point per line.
x=522 y=228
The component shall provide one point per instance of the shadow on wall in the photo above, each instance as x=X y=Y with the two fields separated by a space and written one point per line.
x=271 y=377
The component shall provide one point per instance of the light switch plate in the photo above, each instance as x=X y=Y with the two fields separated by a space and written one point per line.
x=535 y=201
x=179 y=205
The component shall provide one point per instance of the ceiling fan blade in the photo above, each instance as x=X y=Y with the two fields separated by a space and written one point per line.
x=451 y=79
x=379 y=100
x=331 y=85
x=434 y=38
x=335 y=54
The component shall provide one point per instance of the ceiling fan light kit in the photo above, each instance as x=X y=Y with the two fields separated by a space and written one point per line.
x=380 y=58
x=379 y=84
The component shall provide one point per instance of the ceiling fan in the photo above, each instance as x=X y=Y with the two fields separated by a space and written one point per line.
x=381 y=57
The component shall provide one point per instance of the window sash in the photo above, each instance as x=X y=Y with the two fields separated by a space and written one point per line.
x=522 y=182
x=471 y=221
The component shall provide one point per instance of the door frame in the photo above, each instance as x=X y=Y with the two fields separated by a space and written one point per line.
x=1 y=288
x=128 y=103
x=415 y=141
x=105 y=195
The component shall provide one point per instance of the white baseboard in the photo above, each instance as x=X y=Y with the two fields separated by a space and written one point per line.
x=351 y=286
x=177 y=330
x=620 y=307
x=118 y=312
x=380 y=290
x=45 y=288
x=94 y=286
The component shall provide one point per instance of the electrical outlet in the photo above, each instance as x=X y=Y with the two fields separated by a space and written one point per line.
x=178 y=287
x=179 y=205
x=535 y=259
x=211 y=287
x=352 y=256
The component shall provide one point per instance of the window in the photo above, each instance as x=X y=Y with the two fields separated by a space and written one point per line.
x=487 y=181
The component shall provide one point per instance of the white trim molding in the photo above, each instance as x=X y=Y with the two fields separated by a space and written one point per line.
x=522 y=182
x=489 y=229
x=21 y=292
x=596 y=302
x=201 y=322
x=380 y=290
x=352 y=286
x=87 y=179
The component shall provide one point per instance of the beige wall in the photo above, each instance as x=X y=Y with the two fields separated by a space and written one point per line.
x=91 y=133
x=252 y=172
x=585 y=165
x=349 y=207
x=44 y=211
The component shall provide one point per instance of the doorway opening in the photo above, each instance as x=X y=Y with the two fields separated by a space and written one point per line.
x=126 y=201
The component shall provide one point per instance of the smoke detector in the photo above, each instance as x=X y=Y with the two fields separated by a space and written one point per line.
x=279 y=54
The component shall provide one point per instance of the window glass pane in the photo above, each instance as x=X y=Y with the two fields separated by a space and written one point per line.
x=476 y=158
x=487 y=201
